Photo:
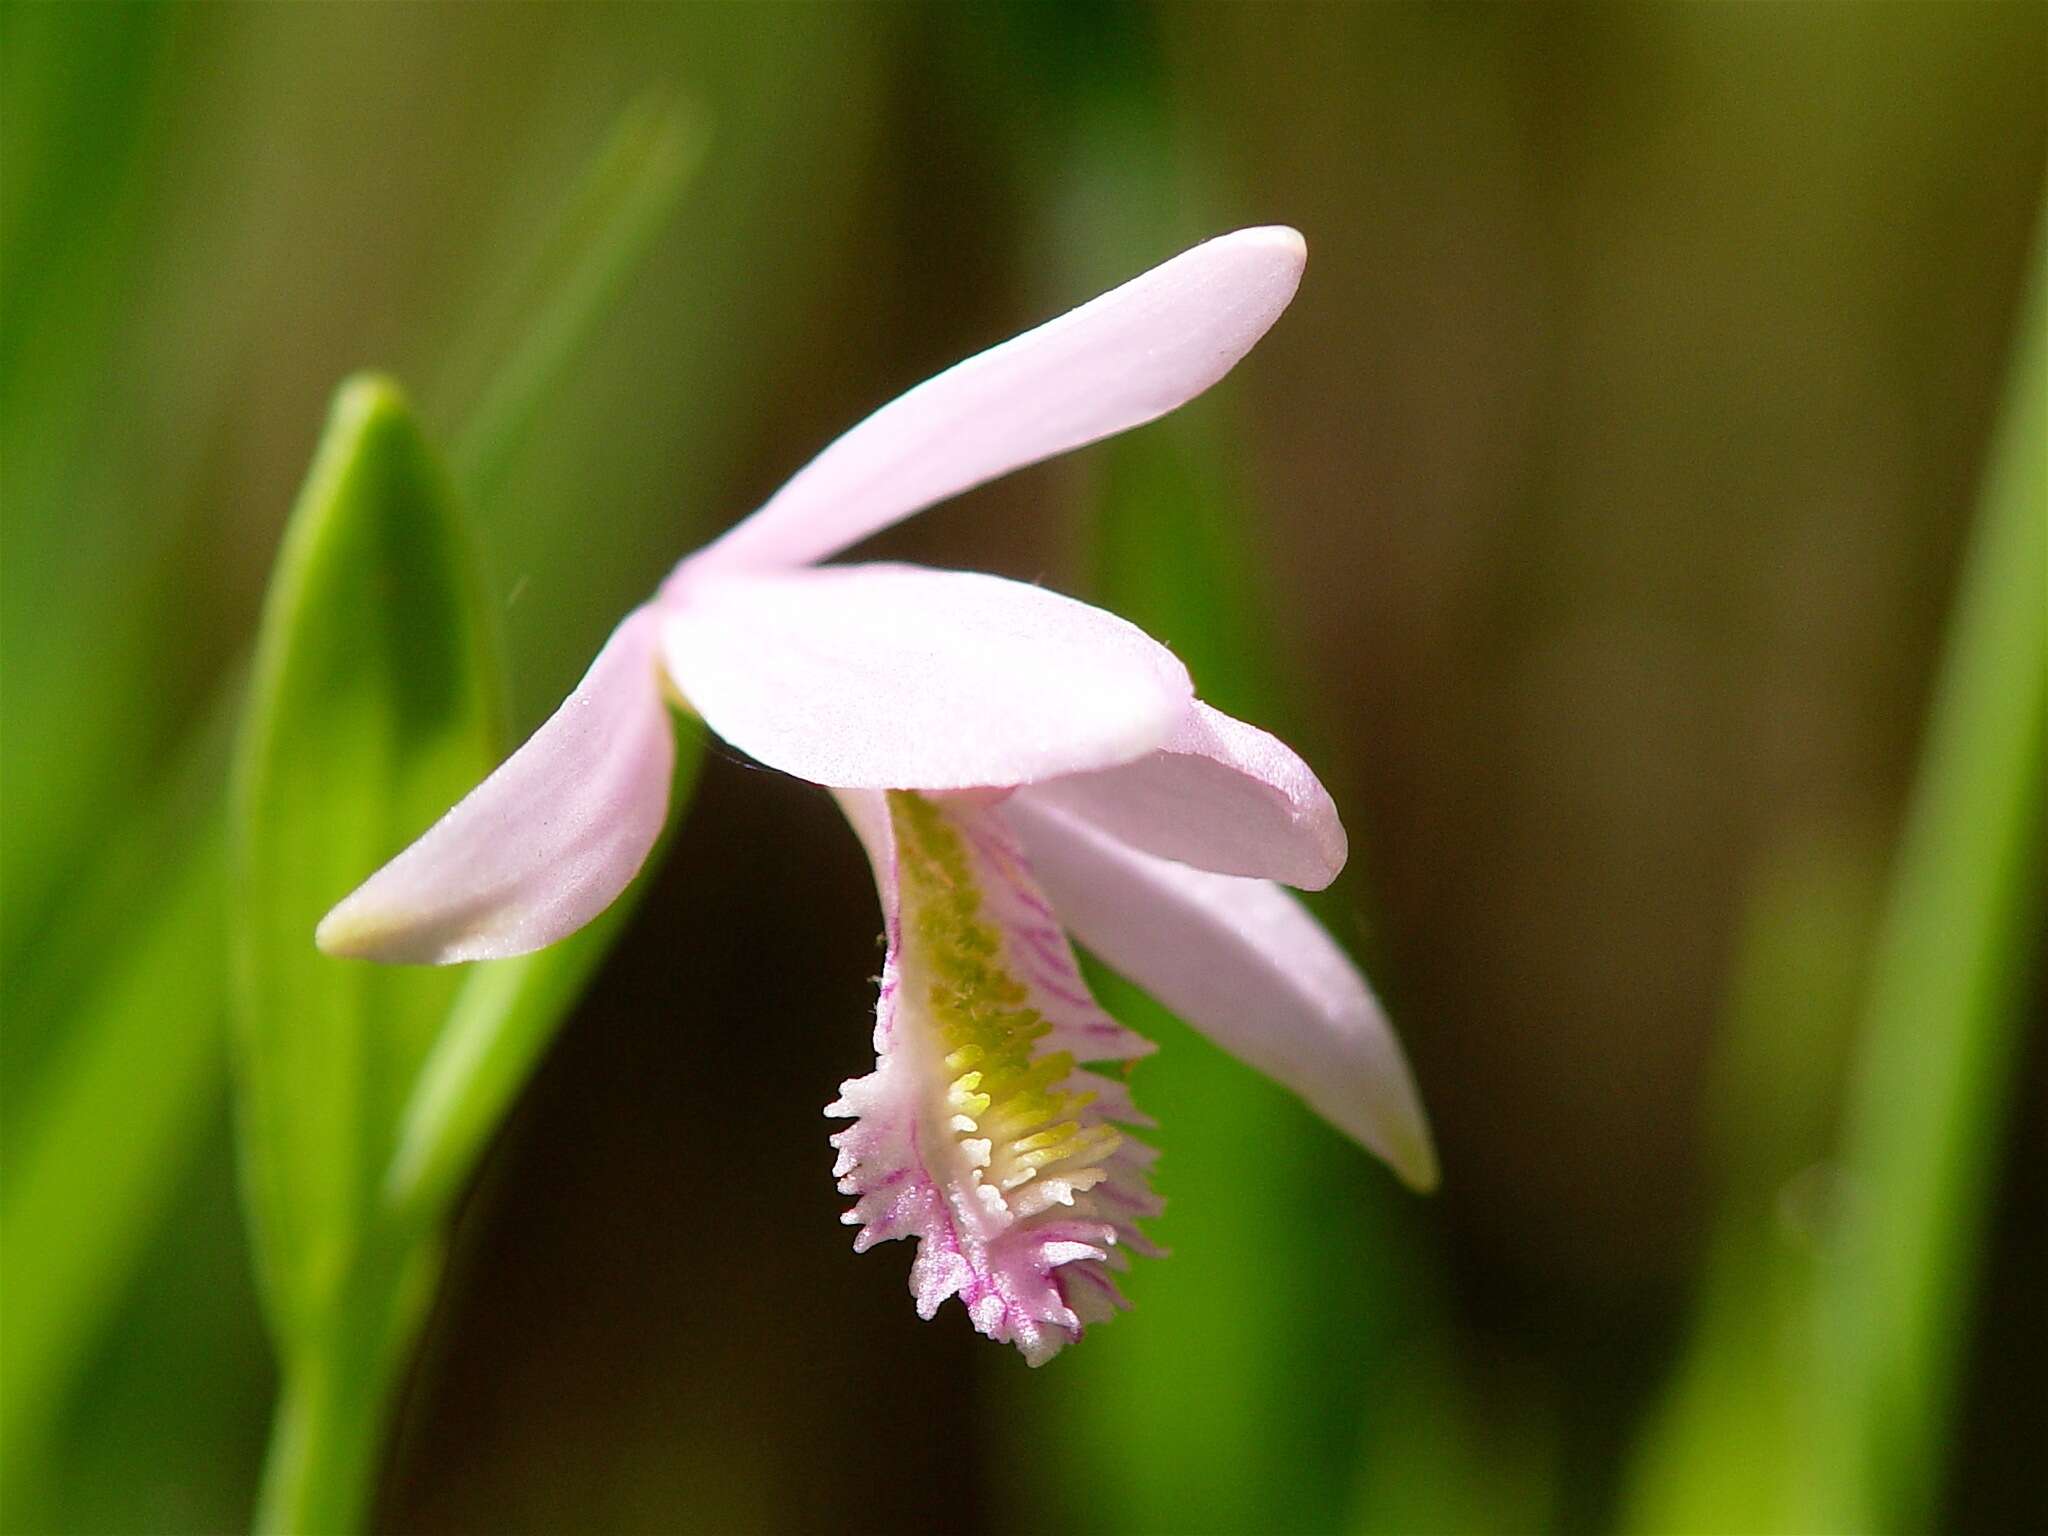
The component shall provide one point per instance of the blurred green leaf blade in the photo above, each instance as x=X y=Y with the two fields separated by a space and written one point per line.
x=1722 y=1450
x=75 y=151
x=90 y=1160
x=1945 y=1021
x=605 y=226
x=375 y=705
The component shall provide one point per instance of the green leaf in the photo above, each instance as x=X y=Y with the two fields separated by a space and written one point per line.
x=1724 y=1448
x=374 y=706
x=81 y=89
x=90 y=1160
x=1942 y=1032
x=130 y=993
x=164 y=1432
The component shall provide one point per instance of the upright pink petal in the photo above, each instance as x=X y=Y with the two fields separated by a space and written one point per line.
x=1220 y=795
x=546 y=842
x=893 y=677
x=1130 y=356
x=977 y=1134
x=1244 y=962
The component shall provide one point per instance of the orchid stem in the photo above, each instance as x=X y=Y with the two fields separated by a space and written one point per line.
x=317 y=1474
x=327 y=1440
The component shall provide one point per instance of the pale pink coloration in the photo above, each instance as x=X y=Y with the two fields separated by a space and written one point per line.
x=1220 y=795
x=1048 y=734
x=1115 y=363
x=546 y=842
x=888 y=677
x=1242 y=961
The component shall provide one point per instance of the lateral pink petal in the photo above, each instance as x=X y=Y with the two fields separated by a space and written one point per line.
x=1220 y=795
x=894 y=677
x=546 y=842
x=1127 y=357
x=1244 y=962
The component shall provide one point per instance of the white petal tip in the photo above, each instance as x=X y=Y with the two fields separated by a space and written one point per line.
x=360 y=929
x=1413 y=1159
x=1402 y=1125
x=350 y=933
x=345 y=937
x=1280 y=237
x=1322 y=874
x=1336 y=849
x=1396 y=1129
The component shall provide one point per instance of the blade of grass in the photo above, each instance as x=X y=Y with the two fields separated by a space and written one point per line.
x=594 y=244
x=131 y=1039
x=1723 y=1450
x=91 y=1154
x=80 y=88
x=1933 y=1077
x=165 y=1426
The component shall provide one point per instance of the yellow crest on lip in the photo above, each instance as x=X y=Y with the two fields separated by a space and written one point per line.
x=1004 y=1103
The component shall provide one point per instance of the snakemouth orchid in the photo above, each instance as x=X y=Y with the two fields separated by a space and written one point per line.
x=1019 y=766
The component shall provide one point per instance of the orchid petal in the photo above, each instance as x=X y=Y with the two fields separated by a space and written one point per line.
x=1115 y=363
x=1244 y=962
x=546 y=842
x=1220 y=795
x=893 y=677
x=977 y=1134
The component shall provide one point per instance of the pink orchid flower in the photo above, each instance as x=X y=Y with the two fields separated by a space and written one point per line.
x=1019 y=766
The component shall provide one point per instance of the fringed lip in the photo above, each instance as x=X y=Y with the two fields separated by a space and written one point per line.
x=979 y=1134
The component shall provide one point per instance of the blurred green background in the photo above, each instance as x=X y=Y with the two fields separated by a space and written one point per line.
x=1593 y=521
